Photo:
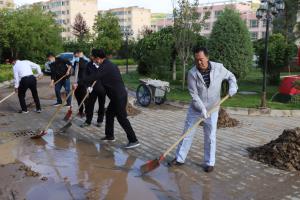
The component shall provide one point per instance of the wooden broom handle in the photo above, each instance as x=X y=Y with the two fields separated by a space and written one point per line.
x=61 y=78
x=57 y=110
x=195 y=125
x=11 y=94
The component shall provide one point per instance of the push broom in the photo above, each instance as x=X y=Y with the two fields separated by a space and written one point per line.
x=69 y=113
x=153 y=164
x=69 y=124
x=44 y=132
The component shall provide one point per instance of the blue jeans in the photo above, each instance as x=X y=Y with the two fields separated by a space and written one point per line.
x=210 y=129
x=67 y=85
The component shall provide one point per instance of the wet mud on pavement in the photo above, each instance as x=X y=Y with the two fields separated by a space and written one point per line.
x=77 y=169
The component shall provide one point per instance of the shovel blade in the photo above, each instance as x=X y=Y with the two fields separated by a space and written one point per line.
x=65 y=127
x=68 y=115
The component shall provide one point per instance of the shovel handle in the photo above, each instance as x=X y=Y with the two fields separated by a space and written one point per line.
x=11 y=94
x=61 y=78
x=195 y=125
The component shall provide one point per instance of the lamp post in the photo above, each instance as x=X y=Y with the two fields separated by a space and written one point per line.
x=267 y=9
x=127 y=33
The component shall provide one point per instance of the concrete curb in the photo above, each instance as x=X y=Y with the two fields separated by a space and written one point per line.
x=247 y=111
x=6 y=83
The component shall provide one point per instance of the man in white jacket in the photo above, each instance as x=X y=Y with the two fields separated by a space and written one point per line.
x=204 y=84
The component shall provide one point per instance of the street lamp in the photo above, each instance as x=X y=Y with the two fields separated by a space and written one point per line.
x=267 y=9
x=127 y=33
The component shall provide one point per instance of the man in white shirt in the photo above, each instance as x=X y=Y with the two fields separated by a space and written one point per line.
x=24 y=80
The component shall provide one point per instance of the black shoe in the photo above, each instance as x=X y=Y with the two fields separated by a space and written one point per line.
x=99 y=124
x=132 y=145
x=110 y=139
x=84 y=125
x=22 y=111
x=57 y=104
x=208 y=168
x=174 y=162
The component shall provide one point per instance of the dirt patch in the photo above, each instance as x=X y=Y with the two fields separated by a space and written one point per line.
x=131 y=110
x=283 y=152
x=2 y=114
x=4 y=124
x=224 y=120
x=28 y=171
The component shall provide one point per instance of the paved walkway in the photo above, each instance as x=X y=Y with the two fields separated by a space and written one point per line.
x=235 y=176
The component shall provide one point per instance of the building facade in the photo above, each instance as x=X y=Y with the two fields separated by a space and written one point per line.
x=213 y=10
x=6 y=4
x=66 y=10
x=133 y=18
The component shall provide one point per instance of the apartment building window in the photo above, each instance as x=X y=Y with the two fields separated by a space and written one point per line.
x=206 y=26
x=68 y=12
x=254 y=35
x=62 y=3
x=218 y=13
x=263 y=34
x=253 y=23
x=207 y=14
x=67 y=3
x=199 y=15
x=68 y=21
x=1 y=2
x=63 y=12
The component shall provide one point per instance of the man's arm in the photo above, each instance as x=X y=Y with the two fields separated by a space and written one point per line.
x=16 y=78
x=52 y=70
x=35 y=67
x=229 y=76
x=196 y=101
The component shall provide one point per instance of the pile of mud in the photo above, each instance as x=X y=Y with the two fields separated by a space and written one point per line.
x=28 y=171
x=225 y=120
x=283 y=153
x=131 y=110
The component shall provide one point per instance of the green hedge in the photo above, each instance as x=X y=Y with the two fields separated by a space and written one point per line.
x=123 y=61
x=6 y=73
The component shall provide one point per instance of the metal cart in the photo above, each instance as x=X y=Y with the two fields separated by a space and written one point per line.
x=150 y=89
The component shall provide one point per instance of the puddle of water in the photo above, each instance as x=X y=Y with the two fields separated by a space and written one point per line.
x=85 y=170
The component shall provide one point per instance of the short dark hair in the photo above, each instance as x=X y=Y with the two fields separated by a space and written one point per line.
x=76 y=51
x=98 y=53
x=12 y=59
x=201 y=49
x=50 y=55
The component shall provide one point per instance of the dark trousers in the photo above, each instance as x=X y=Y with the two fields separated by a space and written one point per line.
x=66 y=84
x=117 y=108
x=90 y=103
x=28 y=82
x=80 y=92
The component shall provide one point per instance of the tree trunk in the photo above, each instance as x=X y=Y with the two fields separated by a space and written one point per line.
x=174 y=69
x=183 y=75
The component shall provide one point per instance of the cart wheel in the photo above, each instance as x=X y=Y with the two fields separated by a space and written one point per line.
x=143 y=95
x=159 y=100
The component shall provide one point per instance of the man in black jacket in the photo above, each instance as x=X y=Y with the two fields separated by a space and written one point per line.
x=81 y=61
x=59 y=68
x=111 y=79
x=98 y=92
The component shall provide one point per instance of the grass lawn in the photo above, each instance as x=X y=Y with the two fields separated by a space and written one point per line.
x=253 y=82
x=6 y=73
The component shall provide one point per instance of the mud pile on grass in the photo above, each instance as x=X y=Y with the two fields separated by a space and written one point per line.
x=225 y=120
x=283 y=153
x=131 y=110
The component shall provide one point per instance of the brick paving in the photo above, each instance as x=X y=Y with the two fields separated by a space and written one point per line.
x=235 y=176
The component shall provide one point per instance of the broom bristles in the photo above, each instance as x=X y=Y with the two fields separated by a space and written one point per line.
x=150 y=166
x=68 y=115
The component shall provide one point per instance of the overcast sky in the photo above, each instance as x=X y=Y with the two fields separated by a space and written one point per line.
x=155 y=5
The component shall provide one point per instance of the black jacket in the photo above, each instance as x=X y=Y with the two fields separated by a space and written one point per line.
x=111 y=79
x=82 y=68
x=59 y=68
x=90 y=70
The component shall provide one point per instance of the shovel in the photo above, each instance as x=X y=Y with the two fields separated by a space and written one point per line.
x=153 y=164
x=69 y=113
x=7 y=97
x=45 y=131
x=69 y=123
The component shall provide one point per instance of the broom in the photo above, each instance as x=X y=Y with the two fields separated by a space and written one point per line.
x=44 y=132
x=69 y=124
x=153 y=164
x=69 y=113
x=5 y=98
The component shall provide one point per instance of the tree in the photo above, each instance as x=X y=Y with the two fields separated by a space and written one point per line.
x=230 y=43
x=107 y=33
x=80 y=28
x=286 y=20
x=29 y=33
x=186 y=26
x=279 y=55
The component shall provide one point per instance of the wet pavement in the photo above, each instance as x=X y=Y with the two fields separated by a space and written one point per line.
x=78 y=166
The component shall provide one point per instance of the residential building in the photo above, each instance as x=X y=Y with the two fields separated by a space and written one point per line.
x=6 y=4
x=66 y=10
x=133 y=18
x=246 y=9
